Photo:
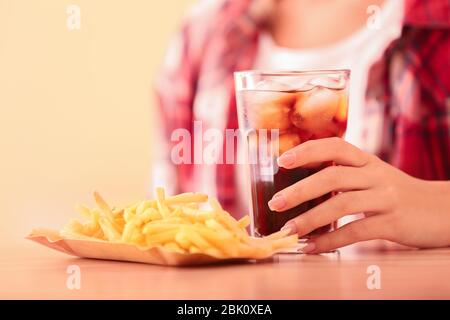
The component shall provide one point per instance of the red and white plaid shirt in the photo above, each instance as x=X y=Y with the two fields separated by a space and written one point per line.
x=410 y=84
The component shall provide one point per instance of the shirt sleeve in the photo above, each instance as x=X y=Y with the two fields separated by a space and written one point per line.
x=175 y=89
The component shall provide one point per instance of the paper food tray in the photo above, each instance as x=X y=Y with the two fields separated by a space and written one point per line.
x=98 y=249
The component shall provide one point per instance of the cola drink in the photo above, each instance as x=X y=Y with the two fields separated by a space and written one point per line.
x=279 y=115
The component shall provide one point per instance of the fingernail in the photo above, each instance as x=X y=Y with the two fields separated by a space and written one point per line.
x=286 y=160
x=310 y=247
x=291 y=226
x=277 y=202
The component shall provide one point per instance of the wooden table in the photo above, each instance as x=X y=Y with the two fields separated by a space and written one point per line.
x=29 y=271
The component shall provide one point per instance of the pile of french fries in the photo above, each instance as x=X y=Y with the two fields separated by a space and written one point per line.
x=178 y=223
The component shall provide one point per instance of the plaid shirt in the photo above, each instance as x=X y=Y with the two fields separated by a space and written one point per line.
x=410 y=86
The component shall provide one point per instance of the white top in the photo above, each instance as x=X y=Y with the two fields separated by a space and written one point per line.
x=357 y=52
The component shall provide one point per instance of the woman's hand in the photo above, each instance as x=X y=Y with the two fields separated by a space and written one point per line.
x=397 y=206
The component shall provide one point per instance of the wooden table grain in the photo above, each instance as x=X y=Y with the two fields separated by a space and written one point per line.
x=29 y=271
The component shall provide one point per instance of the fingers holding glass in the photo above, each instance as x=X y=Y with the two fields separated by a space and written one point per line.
x=334 y=178
x=323 y=150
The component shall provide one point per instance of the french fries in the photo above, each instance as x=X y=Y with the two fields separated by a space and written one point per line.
x=176 y=224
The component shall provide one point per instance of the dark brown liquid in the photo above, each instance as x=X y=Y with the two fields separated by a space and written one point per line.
x=297 y=129
x=267 y=221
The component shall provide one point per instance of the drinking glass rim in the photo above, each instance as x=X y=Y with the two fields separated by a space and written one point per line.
x=275 y=73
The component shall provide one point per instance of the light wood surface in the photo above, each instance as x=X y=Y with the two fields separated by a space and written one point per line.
x=29 y=271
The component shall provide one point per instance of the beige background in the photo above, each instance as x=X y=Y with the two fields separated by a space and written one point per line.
x=76 y=106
